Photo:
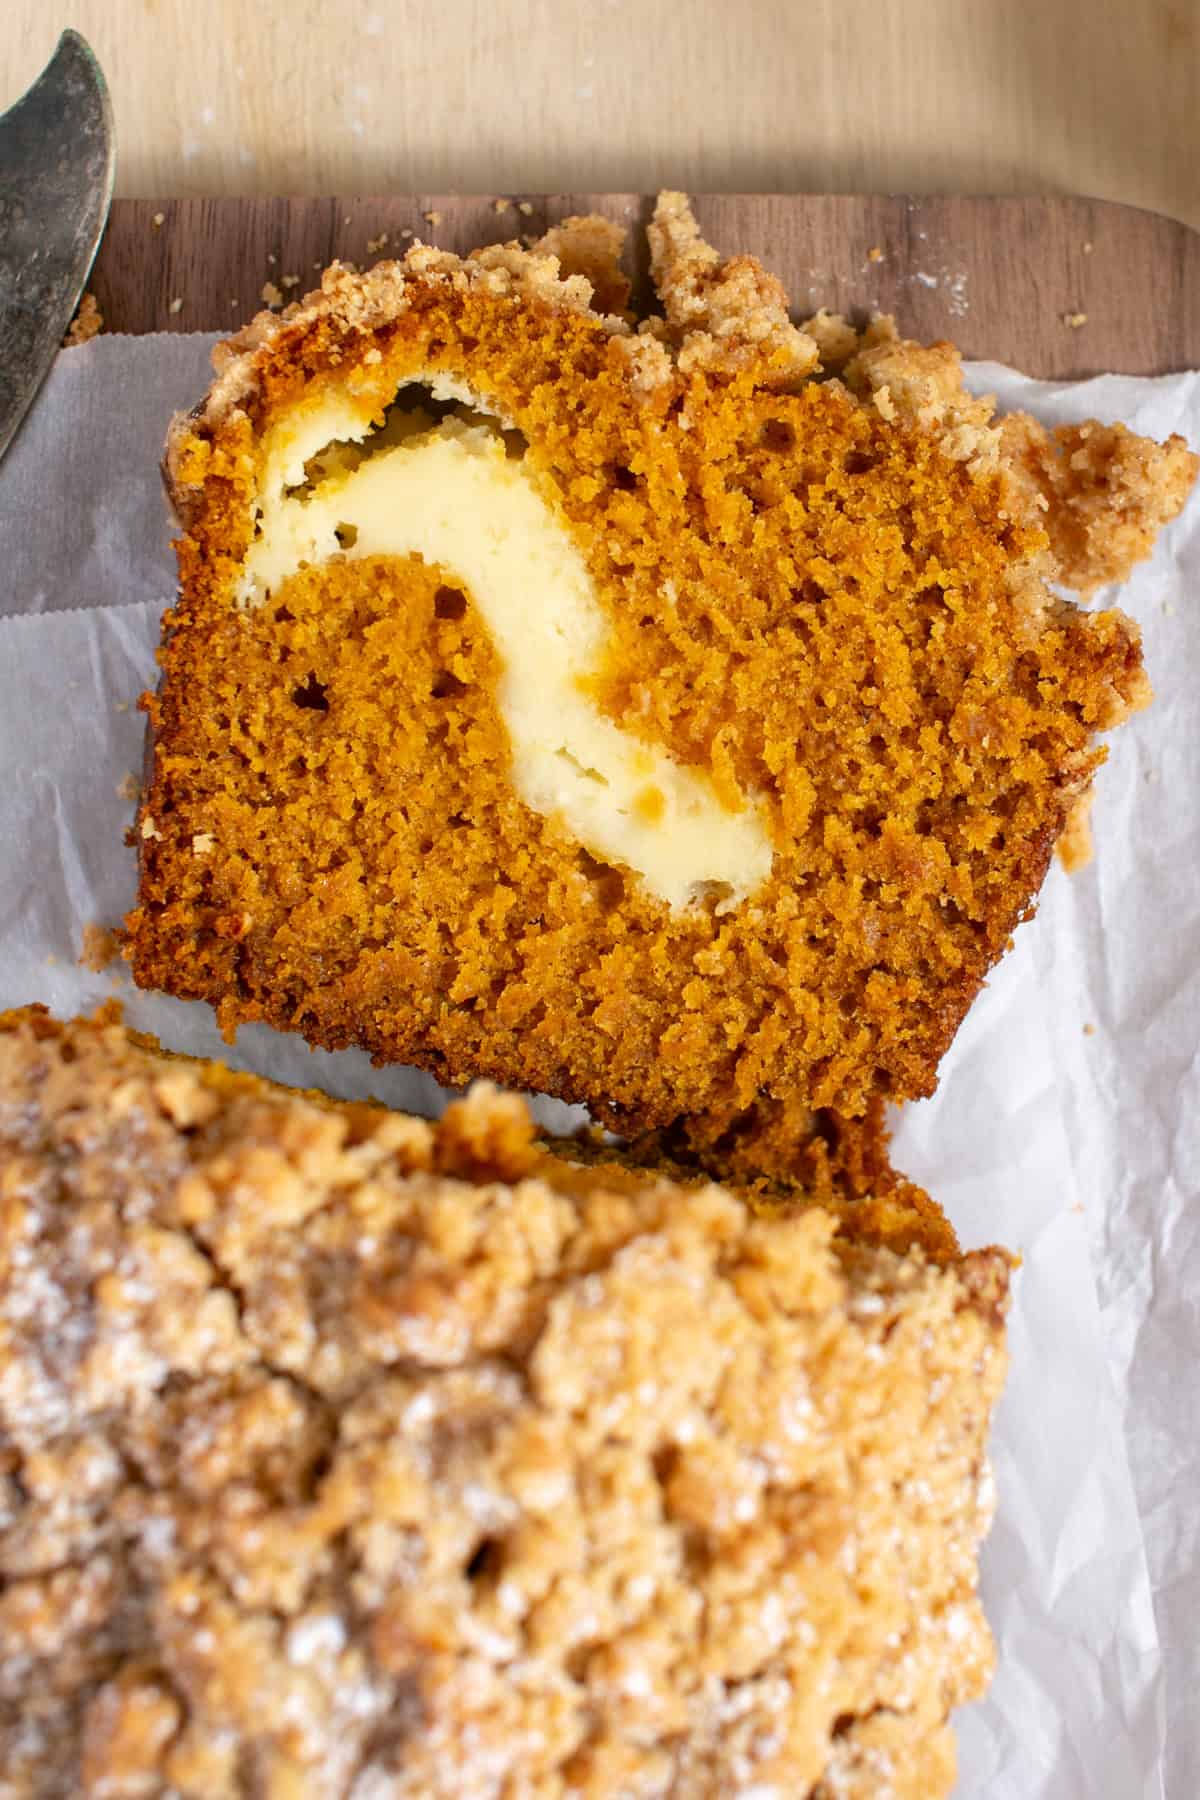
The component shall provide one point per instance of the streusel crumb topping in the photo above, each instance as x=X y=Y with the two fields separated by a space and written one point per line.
x=342 y=1454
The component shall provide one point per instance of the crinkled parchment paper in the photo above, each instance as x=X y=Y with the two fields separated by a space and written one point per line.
x=1067 y=1124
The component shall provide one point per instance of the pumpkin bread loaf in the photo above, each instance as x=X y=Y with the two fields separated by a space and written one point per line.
x=348 y=1457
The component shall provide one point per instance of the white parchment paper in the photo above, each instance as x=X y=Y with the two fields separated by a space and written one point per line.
x=1067 y=1123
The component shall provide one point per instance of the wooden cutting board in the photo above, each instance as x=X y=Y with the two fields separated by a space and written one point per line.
x=1060 y=287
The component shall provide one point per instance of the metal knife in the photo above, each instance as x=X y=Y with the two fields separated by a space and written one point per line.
x=57 y=161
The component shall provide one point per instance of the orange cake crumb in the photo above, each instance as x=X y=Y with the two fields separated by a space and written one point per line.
x=87 y=323
x=346 y=1454
x=825 y=606
x=100 y=947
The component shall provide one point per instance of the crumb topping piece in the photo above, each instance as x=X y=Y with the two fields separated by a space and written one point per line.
x=87 y=323
x=587 y=244
x=723 y=314
x=1107 y=493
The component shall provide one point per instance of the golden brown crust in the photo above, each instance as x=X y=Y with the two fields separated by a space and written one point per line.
x=832 y=595
x=777 y=1156
x=839 y=1166
x=342 y=1458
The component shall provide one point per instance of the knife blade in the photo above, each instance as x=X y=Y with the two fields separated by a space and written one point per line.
x=57 y=162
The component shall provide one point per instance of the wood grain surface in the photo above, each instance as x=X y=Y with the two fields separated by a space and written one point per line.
x=1060 y=287
x=826 y=96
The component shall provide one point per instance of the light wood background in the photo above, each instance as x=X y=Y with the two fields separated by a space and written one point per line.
x=400 y=96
